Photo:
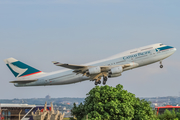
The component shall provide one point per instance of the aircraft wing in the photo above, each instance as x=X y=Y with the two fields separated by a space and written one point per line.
x=81 y=69
x=23 y=81
x=70 y=66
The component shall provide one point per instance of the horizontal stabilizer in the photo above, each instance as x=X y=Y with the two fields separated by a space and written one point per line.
x=23 y=81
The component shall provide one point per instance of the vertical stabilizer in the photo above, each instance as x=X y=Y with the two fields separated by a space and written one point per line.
x=20 y=69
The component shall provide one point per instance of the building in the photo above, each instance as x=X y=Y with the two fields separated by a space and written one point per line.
x=45 y=114
x=160 y=110
x=48 y=97
x=19 y=111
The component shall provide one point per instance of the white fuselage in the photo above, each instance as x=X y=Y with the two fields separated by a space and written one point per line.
x=142 y=56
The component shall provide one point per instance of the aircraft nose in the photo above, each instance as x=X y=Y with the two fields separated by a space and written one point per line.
x=175 y=49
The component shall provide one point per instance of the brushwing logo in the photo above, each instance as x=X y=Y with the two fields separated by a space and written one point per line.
x=157 y=50
x=16 y=69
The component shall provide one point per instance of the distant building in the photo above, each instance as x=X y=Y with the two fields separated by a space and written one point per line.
x=45 y=114
x=68 y=111
x=48 y=97
x=14 y=111
x=64 y=108
x=160 y=110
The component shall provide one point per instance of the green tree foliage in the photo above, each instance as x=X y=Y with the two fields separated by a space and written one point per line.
x=113 y=103
x=78 y=111
x=169 y=115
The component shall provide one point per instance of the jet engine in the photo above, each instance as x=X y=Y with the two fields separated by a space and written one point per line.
x=94 y=70
x=116 y=70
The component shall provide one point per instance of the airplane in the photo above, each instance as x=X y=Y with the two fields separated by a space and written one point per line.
x=110 y=67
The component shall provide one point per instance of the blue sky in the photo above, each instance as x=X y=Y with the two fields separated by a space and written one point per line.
x=40 y=31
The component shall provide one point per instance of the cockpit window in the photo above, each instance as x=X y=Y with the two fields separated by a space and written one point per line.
x=161 y=44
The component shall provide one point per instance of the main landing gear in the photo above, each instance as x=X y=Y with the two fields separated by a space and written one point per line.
x=99 y=81
x=104 y=80
x=161 y=66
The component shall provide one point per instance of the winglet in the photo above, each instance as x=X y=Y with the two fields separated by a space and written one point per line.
x=56 y=63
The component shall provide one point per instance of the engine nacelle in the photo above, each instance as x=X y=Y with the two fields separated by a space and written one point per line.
x=114 y=75
x=116 y=70
x=94 y=70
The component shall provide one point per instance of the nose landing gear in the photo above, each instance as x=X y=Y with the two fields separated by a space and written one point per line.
x=161 y=66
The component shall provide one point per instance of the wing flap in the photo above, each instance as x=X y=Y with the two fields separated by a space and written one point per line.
x=22 y=81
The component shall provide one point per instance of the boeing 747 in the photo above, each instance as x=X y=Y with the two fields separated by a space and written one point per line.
x=110 y=67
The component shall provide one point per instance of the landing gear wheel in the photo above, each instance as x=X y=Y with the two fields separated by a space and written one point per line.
x=95 y=82
x=99 y=82
x=104 y=80
x=161 y=66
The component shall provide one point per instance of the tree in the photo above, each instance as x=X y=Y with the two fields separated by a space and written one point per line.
x=169 y=115
x=78 y=111
x=113 y=103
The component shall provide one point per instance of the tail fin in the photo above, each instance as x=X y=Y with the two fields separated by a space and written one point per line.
x=19 y=69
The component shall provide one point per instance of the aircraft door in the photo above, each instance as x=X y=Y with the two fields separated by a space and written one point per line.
x=154 y=53
x=46 y=81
